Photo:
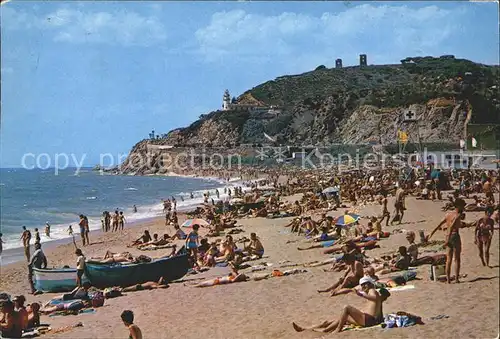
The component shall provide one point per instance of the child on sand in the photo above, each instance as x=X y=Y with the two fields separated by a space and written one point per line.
x=80 y=266
x=128 y=320
x=192 y=242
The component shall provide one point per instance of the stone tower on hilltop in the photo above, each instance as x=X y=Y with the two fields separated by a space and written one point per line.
x=338 y=63
x=362 y=60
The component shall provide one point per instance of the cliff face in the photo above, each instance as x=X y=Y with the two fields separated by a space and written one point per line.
x=355 y=105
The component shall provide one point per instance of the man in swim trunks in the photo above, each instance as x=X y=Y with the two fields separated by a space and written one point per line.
x=150 y=285
x=351 y=277
x=373 y=314
x=453 y=221
x=26 y=238
x=399 y=205
x=255 y=246
x=482 y=236
x=385 y=211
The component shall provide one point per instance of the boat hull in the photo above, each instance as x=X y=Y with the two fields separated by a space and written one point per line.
x=55 y=280
x=109 y=275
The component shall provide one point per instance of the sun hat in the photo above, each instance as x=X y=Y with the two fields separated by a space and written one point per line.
x=365 y=280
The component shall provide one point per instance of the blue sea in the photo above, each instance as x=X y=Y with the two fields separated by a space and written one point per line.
x=33 y=197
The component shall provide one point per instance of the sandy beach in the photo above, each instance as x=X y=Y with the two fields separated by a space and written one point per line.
x=265 y=309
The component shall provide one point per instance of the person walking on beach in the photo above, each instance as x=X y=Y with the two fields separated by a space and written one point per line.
x=121 y=221
x=70 y=230
x=26 y=238
x=47 y=229
x=116 y=216
x=80 y=266
x=128 y=320
x=135 y=209
x=453 y=243
x=38 y=260
x=385 y=211
x=37 y=236
x=483 y=234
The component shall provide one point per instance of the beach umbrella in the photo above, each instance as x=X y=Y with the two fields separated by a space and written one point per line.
x=347 y=219
x=330 y=190
x=191 y=222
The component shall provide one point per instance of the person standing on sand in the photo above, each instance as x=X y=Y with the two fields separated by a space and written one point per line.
x=483 y=234
x=37 y=236
x=26 y=238
x=373 y=314
x=192 y=242
x=385 y=210
x=47 y=229
x=80 y=266
x=135 y=209
x=87 y=229
x=399 y=205
x=82 y=228
x=38 y=260
x=116 y=217
x=453 y=243
x=121 y=221
x=128 y=320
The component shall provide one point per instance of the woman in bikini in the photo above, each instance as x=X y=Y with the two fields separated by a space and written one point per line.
x=482 y=236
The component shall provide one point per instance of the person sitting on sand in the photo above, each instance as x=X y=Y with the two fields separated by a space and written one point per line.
x=369 y=272
x=11 y=324
x=255 y=246
x=33 y=315
x=143 y=239
x=476 y=206
x=128 y=320
x=351 y=276
x=371 y=316
x=401 y=263
x=21 y=310
x=179 y=234
x=150 y=285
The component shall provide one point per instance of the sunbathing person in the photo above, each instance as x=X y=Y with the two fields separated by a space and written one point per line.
x=401 y=263
x=33 y=315
x=255 y=246
x=232 y=277
x=143 y=239
x=371 y=316
x=179 y=234
x=369 y=272
x=477 y=206
x=366 y=245
x=351 y=276
x=156 y=242
x=78 y=292
x=150 y=285
x=114 y=259
x=74 y=305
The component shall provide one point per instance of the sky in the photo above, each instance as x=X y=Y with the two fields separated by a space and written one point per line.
x=91 y=78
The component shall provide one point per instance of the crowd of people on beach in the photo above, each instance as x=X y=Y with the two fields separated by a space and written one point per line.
x=346 y=238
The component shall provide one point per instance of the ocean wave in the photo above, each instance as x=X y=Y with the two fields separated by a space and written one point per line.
x=130 y=189
x=90 y=198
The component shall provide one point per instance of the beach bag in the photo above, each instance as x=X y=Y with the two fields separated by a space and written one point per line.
x=97 y=299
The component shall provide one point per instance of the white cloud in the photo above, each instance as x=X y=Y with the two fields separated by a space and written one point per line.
x=389 y=28
x=126 y=28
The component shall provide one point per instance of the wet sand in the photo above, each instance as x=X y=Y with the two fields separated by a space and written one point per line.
x=265 y=309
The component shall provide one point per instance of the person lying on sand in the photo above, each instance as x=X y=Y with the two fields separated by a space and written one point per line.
x=351 y=276
x=150 y=285
x=179 y=234
x=157 y=242
x=232 y=277
x=366 y=245
x=114 y=259
x=78 y=293
x=74 y=305
x=371 y=316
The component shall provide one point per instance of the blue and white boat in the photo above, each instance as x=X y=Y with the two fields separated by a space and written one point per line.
x=55 y=280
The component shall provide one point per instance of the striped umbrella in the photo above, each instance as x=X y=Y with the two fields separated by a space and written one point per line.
x=191 y=222
x=347 y=219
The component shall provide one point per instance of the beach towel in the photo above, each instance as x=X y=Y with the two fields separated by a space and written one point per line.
x=401 y=288
x=401 y=319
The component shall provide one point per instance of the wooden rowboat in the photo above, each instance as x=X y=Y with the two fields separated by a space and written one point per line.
x=120 y=274
x=55 y=280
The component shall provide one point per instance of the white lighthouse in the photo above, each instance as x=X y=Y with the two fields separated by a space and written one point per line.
x=226 y=101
